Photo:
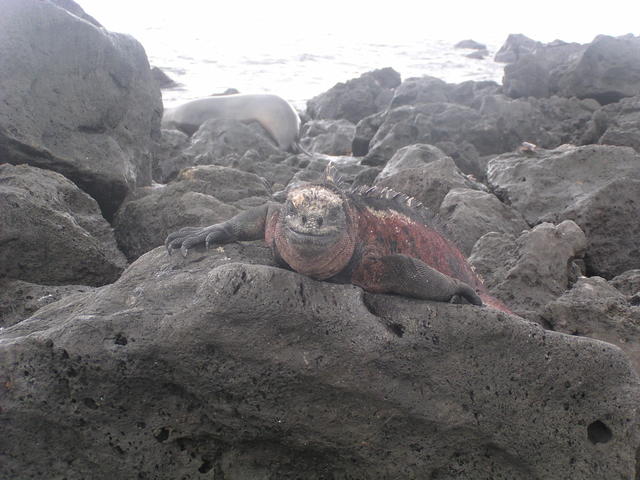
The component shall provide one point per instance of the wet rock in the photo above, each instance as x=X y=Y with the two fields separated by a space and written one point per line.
x=20 y=300
x=200 y=196
x=514 y=47
x=430 y=183
x=217 y=364
x=471 y=44
x=529 y=271
x=595 y=309
x=357 y=98
x=331 y=137
x=52 y=232
x=469 y=214
x=77 y=99
x=162 y=79
x=478 y=54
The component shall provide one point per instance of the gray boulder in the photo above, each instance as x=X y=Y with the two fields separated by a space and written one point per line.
x=411 y=156
x=431 y=123
x=162 y=79
x=605 y=70
x=357 y=98
x=545 y=185
x=424 y=89
x=607 y=218
x=471 y=44
x=595 y=309
x=545 y=122
x=528 y=271
x=76 y=99
x=52 y=232
x=200 y=196
x=628 y=283
x=596 y=186
x=469 y=214
x=618 y=124
x=72 y=7
x=428 y=184
x=515 y=46
x=536 y=74
x=217 y=365
x=331 y=137
x=365 y=130
x=169 y=157
x=218 y=138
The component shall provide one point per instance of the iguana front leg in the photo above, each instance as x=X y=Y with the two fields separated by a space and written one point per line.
x=410 y=277
x=248 y=225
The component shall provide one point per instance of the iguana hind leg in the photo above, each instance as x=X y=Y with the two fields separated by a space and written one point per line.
x=411 y=277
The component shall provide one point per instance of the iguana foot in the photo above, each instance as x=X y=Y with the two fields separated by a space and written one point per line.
x=188 y=237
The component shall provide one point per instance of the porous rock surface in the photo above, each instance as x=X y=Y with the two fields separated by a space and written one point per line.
x=223 y=365
x=596 y=186
x=528 y=271
x=51 y=232
x=469 y=214
x=542 y=186
x=595 y=309
x=20 y=300
x=76 y=99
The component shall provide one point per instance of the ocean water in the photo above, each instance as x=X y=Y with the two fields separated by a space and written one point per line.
x=300 y=50
x=307 y=67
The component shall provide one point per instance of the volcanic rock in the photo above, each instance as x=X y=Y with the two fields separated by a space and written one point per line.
x=220 y=363
x=529 y=271
x=76 y=99
x=52 y=233
x=357 y=98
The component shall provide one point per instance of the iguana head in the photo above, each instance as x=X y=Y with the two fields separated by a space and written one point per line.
x=316 y=229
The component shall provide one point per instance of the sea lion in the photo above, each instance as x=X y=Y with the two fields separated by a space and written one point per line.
x=274 y=113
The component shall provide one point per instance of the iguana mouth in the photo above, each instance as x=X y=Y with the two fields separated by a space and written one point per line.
x=309 y=235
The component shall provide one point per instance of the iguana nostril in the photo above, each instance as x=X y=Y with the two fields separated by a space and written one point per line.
x=304 y=219
x=319 y=221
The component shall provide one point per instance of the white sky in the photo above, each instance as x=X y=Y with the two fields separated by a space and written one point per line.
x=482 y=20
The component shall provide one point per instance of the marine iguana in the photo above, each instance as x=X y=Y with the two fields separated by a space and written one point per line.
x=370 y=237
